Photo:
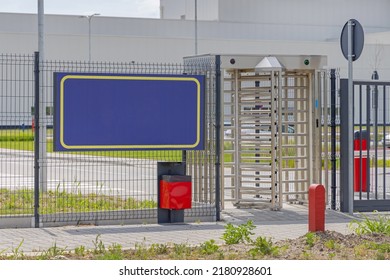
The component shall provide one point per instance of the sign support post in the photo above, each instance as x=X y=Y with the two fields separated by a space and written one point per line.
x=350 y=117
x=352 y=42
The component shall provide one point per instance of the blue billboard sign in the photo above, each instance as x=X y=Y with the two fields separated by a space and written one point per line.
x=128 y=112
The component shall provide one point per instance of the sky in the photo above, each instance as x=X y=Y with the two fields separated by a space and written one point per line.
x=119 y=8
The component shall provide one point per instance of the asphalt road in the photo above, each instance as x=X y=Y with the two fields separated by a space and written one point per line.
x=86 y=174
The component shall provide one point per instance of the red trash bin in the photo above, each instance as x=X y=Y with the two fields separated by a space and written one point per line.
x=360 y=164
x=175 y=192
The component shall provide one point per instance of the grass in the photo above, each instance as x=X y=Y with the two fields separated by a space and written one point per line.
x=22 y=202
x=250 y=156
x=16 y=135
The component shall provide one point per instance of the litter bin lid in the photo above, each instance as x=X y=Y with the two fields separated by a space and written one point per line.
x=363 y=133
x=176 y=178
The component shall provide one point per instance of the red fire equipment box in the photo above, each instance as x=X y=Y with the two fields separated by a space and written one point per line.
x=175 y=192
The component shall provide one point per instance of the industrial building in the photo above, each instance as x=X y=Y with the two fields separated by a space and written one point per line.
x=228 y=26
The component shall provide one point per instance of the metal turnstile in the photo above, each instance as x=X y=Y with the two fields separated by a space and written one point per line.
x=272 y=129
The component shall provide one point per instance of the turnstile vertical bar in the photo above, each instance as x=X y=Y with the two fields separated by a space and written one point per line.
x=237 y=137
x=274 y=96
x=333 y=136
x=280 y=149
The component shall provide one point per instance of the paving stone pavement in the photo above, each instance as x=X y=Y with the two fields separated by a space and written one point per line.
x=290 y=222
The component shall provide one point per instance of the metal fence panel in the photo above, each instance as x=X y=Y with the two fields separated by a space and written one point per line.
x=90 y=187
x=371 y=142
x=16 y=135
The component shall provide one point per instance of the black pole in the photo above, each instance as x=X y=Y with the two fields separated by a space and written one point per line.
x=36 y=140
x=375 y=76
x=217 y=137
x=344 y=129
x=333 y=136
x=184 y=158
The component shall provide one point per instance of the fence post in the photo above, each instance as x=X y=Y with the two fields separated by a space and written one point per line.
x=218 y=137
x=36 y=139
x=375 y=76
x=344 y=143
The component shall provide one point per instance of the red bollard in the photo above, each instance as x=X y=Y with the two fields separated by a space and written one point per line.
x=316 y=208
x=360 y=164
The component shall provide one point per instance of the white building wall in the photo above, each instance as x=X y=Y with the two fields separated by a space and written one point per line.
x=172 y=9
x=185 y=9
x=374 y=13
x=155 y=40
x=305 y=19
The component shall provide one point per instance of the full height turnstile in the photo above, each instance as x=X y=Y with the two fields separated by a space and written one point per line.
x=272 y=128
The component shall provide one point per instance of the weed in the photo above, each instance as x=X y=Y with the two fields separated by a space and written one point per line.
x=380 y=225
x=221 y=255
x=114 y=252
x=331 y=244
x=384 y=248
x=158 y=249
x=53 y=252
x=80 y=251
x=99 y=245
x=380 y=256
x=306 y=255
x=331 y=256
x=360 y=251
x=311 y=239
x=208 y=247
x=17 y=253
x=181 y=250
x=2 y=252
x=263 y=246
x=238 y=234
x=141 y=251
x=284 y=247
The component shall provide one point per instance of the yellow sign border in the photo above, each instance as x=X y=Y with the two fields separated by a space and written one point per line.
x=118 y=147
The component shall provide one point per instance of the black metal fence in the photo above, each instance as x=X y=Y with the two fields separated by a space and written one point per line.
x=51 y=188
x=371 y=158
x=330 y=121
